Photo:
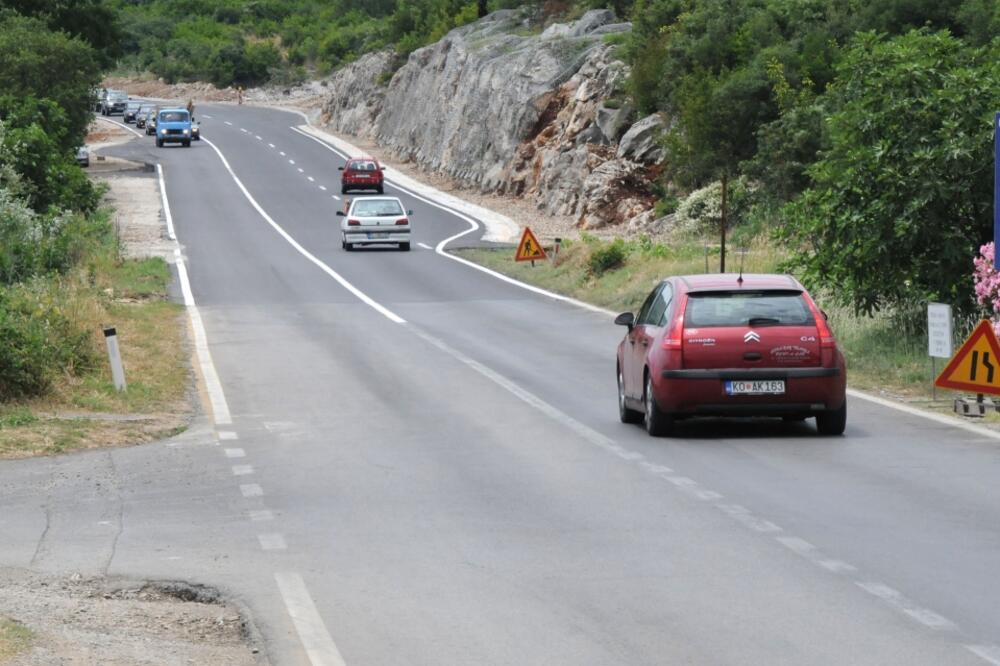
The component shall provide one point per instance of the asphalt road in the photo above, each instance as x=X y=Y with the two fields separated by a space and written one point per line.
x=436 y=475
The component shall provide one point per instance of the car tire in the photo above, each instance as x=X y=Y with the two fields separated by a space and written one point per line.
x=625 y=413
x=159 y=143
x=187 y=144
x=380 y=189
x=833 y=422
x=405 y=247
x=348 y=246
x=343 y=189
x=658 y=423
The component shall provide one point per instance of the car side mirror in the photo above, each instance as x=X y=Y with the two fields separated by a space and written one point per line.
x=381 y=168
x=625 y=319
x=826 y=317
x=410 y=213
x=340 y=168
x=340 y=213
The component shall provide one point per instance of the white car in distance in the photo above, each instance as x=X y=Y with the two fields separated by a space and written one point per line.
x=375 y=221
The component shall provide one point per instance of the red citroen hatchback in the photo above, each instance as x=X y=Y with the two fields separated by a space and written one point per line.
x=728 y=345
x=361 y=173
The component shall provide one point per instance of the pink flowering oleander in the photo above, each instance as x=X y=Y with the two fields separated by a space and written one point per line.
x=987 y=282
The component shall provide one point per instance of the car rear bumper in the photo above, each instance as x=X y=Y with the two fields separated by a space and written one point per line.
x=360 y=183
x=374 y=237
x=703 y=392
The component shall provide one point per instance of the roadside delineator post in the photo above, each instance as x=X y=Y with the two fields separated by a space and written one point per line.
x=117 y=371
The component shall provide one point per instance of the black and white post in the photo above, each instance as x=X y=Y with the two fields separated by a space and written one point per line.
x=117 y=371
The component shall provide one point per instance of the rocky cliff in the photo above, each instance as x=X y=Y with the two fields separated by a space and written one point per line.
x=506 y=109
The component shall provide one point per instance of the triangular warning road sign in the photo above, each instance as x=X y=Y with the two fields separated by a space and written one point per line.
x=975 y=367
x=529 y=248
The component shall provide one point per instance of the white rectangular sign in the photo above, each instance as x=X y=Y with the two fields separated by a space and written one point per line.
x=939 y=330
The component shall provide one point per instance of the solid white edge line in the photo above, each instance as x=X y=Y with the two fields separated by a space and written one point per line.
x=165 y=203
x=474 y=226
x=122 y=125
x=363 y=297
x=988 y=653
x=315 y=638
x=213 y=386
x=425 y=246
x=945 y=420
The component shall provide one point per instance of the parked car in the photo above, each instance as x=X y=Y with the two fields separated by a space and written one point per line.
x=375 y=220
x=131 y=111
x=143 y=115
x=114 y=102
x=727 y=345
x=173 y=126
x=361 y=173
x=83 y=156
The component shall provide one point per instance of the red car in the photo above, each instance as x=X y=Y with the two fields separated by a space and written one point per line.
x=361 y=173
x=728 y=345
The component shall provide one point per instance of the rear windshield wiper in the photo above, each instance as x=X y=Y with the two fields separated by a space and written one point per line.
x=763 y=321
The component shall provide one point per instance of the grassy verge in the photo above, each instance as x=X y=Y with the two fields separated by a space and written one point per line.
x=14 y=639
x=80 y=407
x=884 y=356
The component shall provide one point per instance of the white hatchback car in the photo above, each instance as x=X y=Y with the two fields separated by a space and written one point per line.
x=373 y=221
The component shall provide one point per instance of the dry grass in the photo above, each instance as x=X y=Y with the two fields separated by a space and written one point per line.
x=83 y=410
x=14 y=639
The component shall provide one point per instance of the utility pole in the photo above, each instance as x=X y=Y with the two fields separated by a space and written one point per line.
x=725 y=219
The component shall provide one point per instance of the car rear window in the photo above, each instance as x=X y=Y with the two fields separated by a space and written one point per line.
x=377 y=208
x=362 y=166
x=738 y=308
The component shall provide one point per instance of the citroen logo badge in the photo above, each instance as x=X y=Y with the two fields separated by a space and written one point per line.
x=751 y=336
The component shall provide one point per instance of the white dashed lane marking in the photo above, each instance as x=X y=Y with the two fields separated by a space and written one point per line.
x=926 y=617
x=228 y=123
x=260 y=515
x=335 y=197
x=282 y=153
x=205 y=115
x=258 y=137
x=235 y=453
x=270 y=145
x=425 y=246
x=291 y=161
x=242 y=470
x=272 y=541
x=251 y=490
x=243 y=129
x=228 y=434
x=311 y=179
x=323 y=187
x=301 y=170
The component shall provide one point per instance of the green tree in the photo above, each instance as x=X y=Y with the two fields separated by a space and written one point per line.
x=93 y=21
x=902 y=197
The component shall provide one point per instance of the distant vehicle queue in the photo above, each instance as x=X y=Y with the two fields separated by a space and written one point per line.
x=167 y=124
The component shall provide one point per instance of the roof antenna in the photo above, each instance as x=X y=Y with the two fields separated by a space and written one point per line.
x=743 y=254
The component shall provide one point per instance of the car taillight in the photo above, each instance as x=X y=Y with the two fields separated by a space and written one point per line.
x=674 y=338
x=402 y=221
x=354 y=223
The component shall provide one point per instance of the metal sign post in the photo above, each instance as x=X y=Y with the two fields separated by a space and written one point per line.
x=996 y=189
x=939 y=337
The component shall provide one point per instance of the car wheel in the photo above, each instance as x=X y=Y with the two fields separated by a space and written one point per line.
x=626 y=414
x=187 y=144
x=343 y=189
x=159 y=143
x=658 y=423
x=348 y=246
x=833 y=422
x=380 y=189
x=405 y=247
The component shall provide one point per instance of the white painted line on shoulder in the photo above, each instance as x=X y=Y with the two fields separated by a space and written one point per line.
x=425 y=246
x=270 y=145
x=656 y=469
x=924 y=616
x=360 y=295
x=165 y=203
x=315 y=638
x=272 y=541
x=251 y=490
x=323 y=187
x=931 y=416
x=235 y=453
x=228 y=123
x=260 y=515
x=227 y=435
x=311 y=179
x=988 y=653
x=122 y=125
x=242 y=470
x=213 y=386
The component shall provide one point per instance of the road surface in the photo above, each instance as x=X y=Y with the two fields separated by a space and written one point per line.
x=414 y=462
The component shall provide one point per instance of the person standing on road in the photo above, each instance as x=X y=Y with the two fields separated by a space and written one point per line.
x=190 y=108
x=239 y=93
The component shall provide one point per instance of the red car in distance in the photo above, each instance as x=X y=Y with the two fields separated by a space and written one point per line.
x=361 y=173
x=728 y=345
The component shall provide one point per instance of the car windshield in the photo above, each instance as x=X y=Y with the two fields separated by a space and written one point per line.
x=174 y=116
x=739 y=308
x=117 y=96
x=363 y=166
x=377 y=208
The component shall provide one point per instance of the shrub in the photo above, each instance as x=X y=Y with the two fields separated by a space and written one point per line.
x=607 y=257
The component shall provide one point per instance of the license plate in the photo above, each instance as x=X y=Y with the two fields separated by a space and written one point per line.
x=376 y=235
x=755 y=387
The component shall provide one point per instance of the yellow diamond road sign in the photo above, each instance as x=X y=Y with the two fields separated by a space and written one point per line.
x=975 y=367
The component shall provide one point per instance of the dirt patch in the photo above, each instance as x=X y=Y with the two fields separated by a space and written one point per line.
x=76 y=620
